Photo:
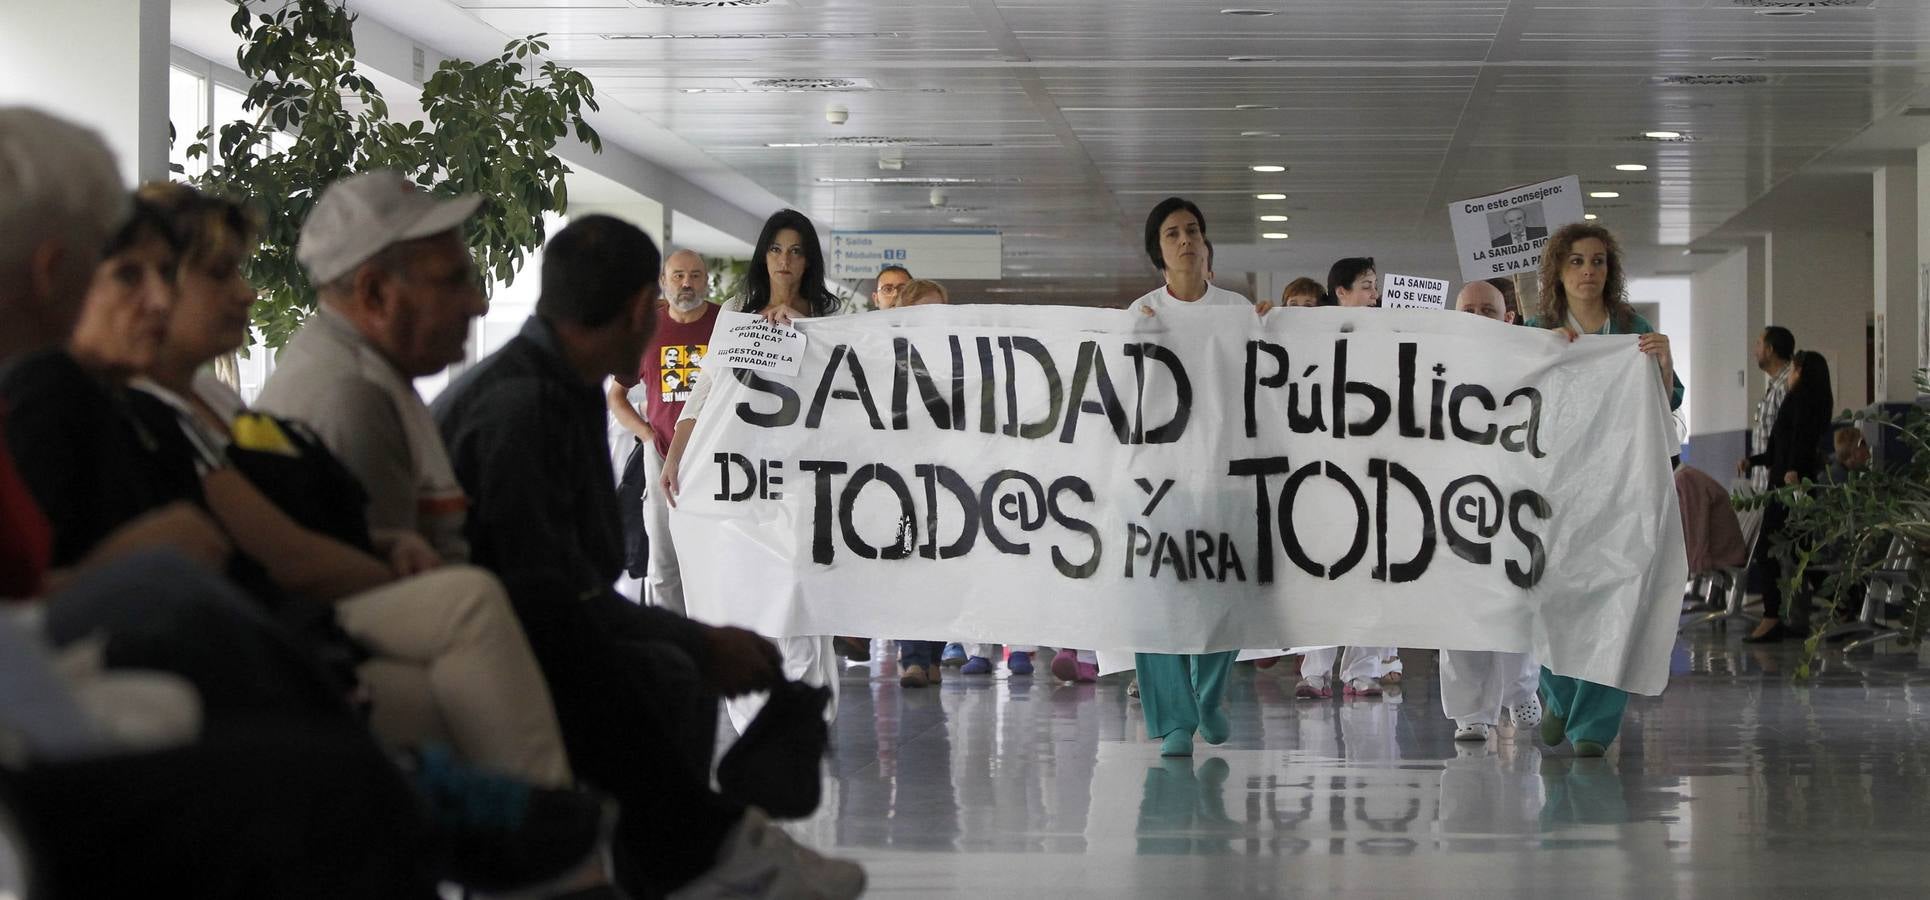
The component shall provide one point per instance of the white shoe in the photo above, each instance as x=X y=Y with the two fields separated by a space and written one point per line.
x=758 y=860
x=1527 y=715
x=1474 y=731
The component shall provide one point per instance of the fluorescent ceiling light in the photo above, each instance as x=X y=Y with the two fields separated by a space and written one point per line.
x=1269 y=196
x=1590 y=216
x=1269 y=168
x=1662 y=135
x=1275 y=235
x=1631 y=167
x=1604 y=195
x=1273 y=218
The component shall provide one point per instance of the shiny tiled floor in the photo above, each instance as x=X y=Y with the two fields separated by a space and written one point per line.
x=1736 y=782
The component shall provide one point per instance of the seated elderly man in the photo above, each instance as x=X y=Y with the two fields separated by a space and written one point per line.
x=635 y=687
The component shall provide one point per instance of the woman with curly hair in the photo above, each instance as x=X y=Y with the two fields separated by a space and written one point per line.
x=1584 y=290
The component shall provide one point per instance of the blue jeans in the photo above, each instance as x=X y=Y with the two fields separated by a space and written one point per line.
x=919 y=653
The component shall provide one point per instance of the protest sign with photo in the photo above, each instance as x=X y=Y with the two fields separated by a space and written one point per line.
x=1503 y=233
x=1204 y=481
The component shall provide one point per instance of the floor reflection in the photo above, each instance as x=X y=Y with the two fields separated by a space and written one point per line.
x=1735 y=781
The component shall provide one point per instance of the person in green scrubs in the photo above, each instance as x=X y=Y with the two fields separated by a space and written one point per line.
x=1584 y=291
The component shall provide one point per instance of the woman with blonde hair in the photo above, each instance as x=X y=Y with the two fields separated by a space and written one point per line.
x=1584 y=290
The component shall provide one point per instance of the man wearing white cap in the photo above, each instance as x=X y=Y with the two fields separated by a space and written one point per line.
x=398 y=289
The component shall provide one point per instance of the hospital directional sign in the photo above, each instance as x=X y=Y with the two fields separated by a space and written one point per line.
x=927 y=254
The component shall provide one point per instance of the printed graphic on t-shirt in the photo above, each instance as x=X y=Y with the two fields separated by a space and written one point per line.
x=679 y=363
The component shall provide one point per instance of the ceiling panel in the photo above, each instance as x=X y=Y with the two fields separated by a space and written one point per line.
x=1061 y=121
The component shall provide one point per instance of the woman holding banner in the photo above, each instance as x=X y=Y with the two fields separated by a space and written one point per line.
x=785 y=282
x=1585 y=291
x=1181 y=694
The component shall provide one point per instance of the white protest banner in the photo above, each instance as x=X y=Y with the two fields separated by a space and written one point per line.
x=1209 y=480
x=1503 y=233
x=751 y=342
x=1409 y=292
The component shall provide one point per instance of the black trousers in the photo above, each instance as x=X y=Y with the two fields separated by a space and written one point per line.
x=1794 y=610
x=158 y=611
x=640 y=724
x=272 y=809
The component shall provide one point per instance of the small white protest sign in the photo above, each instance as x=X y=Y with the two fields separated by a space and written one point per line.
x=746 y=341
x=1409 y=292
x=1503 y=233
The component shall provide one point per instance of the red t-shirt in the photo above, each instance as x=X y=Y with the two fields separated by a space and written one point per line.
x=669 y=367
x=26 y=540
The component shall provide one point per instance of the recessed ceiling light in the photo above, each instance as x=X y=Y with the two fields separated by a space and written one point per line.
x=1247 y=11
x=1590 y=216
x=1269 y=168
x=1631 y=167
x=1603 y=195
x=1251 y=106
x=1269 y=196
x=966 y=220
x=1662 y=135
x=1275 y=235
x=789 y=145
x=1273 y=218
x=1782 y=13
x=1259 y=134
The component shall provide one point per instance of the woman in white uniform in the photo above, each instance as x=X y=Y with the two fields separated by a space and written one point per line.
x=1181 y=693
x=785 y=282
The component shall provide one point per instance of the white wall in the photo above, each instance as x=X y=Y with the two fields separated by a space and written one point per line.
x=1894 y=274
x=99 y=62
x=1719 y=316
x=1821 y=288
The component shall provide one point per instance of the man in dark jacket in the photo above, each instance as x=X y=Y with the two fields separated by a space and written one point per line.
x=636 y=687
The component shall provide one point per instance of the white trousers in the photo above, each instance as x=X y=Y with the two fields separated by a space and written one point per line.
x=662 y=584
x=1355 y=662
x=1476 y=684
x=807 y=659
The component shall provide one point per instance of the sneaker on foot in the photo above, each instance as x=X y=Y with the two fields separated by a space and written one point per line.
x=500 y=833
x=1554 y=729
x=1473 y=731
x=977 y=665
x=1363 y=687
x=1019 y=663
x=916 y=677
x=954 y=655
x=1065 y=665
x=1526 y=715
x=1313 y=687
x=1590 y=750
x=758 y=860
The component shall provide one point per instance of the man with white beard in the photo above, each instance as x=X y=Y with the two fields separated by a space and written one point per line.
x=666 y=375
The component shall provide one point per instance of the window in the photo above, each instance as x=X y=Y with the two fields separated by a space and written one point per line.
x=188 y=113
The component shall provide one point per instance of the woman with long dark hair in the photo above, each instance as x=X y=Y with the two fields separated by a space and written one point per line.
x=1584 y=290
x=1794 y=453
x=786 y=281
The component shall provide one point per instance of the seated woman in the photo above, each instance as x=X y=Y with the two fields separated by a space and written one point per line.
x=446 y=660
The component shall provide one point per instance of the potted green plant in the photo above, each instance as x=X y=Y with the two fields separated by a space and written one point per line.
x=1839 y=534
x=490 y=128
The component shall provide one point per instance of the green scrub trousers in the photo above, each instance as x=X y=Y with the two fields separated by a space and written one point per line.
x=1175 y=689
x=1592 y=711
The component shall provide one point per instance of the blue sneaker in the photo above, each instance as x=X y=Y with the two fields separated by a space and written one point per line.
x=977 y=665
x=1019 y=663
x=953 y=656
